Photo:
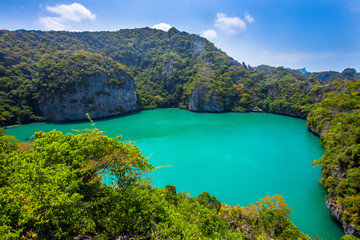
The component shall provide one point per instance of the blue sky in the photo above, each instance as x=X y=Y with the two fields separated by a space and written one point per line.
x=319 y=35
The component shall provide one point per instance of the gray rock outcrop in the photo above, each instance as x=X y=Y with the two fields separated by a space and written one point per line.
x=202 y=100
x=96 y=96
x=288 y=112
x=337 y=212
x=313 y=130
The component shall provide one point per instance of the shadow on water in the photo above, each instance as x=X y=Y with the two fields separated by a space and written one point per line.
x=101 y=119
x=61 y=123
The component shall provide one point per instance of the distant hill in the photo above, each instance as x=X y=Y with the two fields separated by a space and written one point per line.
x=302 y=70
x=331 y=76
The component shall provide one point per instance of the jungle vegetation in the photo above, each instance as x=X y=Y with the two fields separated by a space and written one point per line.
x=166 y=67
x=52 y=188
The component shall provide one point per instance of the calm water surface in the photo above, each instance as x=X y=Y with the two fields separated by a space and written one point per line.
x=239 y=158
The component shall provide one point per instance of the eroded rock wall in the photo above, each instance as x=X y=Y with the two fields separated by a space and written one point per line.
x=96 y=96
x=202 y=100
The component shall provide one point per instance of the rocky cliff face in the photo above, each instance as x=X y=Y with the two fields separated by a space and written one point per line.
x=201 y=100
x=313 y=130
x=337 y=212
x=96 y=96
x=289 y=112
x=331 y=203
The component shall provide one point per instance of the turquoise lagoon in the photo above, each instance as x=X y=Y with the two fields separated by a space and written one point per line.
x=237 y=157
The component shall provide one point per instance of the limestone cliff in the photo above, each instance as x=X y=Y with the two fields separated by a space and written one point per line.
x=95 y=95
x=202 y=100
x=337 y=211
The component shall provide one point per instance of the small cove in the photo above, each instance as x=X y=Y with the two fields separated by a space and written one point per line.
x=239 y=158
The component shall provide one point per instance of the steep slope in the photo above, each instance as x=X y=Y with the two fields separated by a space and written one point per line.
x=165 y=65
x=170 y=69
x=73 y=84
x=337 y=120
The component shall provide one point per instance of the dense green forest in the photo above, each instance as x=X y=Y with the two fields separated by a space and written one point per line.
x=337 y=118
x=163 y=63
x=167 y=68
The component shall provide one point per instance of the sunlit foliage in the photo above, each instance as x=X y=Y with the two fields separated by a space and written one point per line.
x=54 y=189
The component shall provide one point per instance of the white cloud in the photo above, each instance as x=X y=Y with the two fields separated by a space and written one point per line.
x=209 y=34
x=249 y=18
x=229 y=24
x=53 y=23
x=162 y=26
x=74 y=12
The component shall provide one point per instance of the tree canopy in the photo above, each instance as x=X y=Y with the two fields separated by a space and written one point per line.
x=53 y=188
x=166 y=67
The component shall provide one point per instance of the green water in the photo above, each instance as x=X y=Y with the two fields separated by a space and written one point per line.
x=238 y=157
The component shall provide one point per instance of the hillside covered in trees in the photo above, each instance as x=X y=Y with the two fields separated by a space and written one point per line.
x=337 y=119
x=166 y=66
x=172 y=69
